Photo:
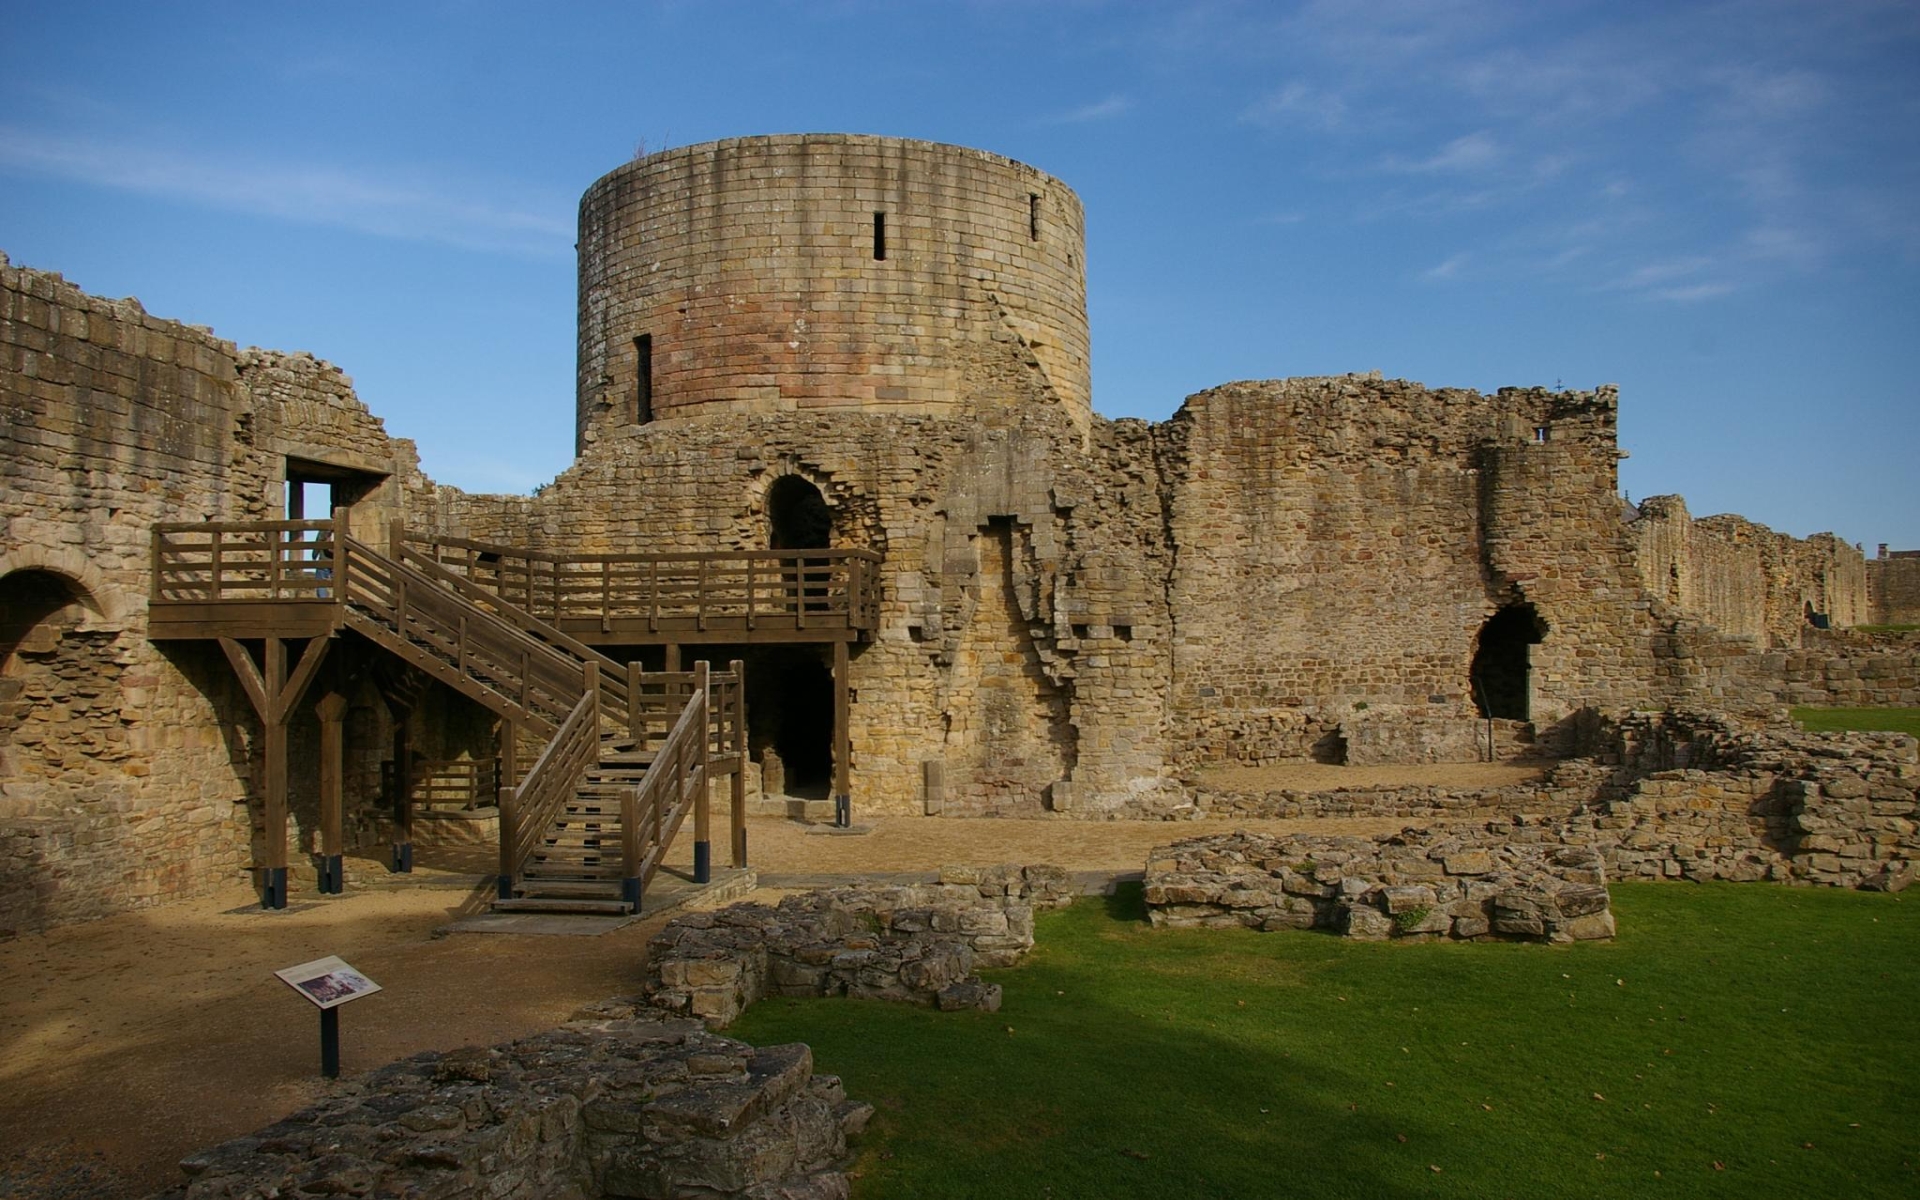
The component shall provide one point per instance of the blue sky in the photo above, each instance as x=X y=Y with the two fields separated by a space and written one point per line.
x=1714 y=205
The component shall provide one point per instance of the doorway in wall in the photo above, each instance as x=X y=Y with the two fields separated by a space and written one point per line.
x=1502 y=663
x=797 y=516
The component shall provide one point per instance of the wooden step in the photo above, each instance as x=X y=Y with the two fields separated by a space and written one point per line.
x=555 y=904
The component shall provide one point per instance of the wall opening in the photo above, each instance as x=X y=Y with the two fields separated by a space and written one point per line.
x=1033 y=216
x=879 y=237
x=797 y=516
x=1502 y=663
x=789 y=714
x=643 y=379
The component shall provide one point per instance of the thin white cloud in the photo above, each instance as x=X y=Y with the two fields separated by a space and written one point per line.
x=1297 y=103
x=310 y=194
x=1693 y=293
x=1442 y=271
x=1473 y=152
x=1100 y=110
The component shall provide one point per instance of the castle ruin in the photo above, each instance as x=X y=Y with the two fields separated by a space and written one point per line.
x=834 y=424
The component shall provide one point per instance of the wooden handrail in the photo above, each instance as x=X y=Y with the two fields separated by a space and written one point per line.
x=823 y=588
x=546 y=787
x=651 y=813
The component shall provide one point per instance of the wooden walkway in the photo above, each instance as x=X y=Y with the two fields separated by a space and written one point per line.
x=293 y=588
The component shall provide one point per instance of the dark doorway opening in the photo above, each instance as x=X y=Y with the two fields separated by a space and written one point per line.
x=797 y=516
x=789 y=713
x=1501 y=662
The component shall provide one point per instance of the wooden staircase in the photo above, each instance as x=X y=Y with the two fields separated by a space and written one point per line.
x=591 y=820
x=576 y=865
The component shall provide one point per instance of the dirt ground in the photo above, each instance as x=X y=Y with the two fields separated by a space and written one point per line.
x=130 y=1042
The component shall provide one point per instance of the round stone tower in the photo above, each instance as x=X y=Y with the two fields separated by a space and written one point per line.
x=827 y=271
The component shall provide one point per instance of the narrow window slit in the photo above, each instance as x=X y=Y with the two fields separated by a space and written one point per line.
x=879 y=237
x=1033 y=216
x=643 y=379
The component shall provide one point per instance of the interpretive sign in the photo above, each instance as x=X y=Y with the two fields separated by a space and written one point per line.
x=328 y=982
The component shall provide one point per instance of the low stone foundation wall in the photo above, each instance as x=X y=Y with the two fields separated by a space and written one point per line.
x=1414 y=884
x=916 y=944
x=626 y=1101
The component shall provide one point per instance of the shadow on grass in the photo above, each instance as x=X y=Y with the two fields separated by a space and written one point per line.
x=1127 y=902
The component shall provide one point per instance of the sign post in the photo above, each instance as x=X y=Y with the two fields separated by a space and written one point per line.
x=327 y=983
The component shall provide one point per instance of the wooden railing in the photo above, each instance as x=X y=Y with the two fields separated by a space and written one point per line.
x=528 y=811
x=420 y=619
x=651 y=814
x=464 y=784
x=744 y=589
x=246 y=561
x=656 y=699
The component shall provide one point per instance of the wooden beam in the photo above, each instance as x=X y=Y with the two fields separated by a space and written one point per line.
x=310 y=659
x=332 y=710
x=737 y=810
x=250 y=681
x=274 y=852
x=842 y=740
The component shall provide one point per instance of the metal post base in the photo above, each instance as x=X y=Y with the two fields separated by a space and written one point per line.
x=630 y=893
x=332 y=875
x=402 y=858
x=273 y=887
x=703 y=862
x=330 y=1042
x=506 y=887
x=843 y=810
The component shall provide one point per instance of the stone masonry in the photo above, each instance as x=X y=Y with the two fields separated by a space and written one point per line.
x=621 y=1101
x=1074 y=613
x=1413 y=884
x=914 y=943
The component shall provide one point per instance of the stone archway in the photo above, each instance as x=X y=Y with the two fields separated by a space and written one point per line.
x=798 y=517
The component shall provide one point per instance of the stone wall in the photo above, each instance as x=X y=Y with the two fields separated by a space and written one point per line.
x=913 y=943
x=1745 y=579
x=754 y=268
x=622 y=1101
x=1023 y=635
x=1418 y=884
x=1340 y=544
x=125 y=766
x=1893 y=586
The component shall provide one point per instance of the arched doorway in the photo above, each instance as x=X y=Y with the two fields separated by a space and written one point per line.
x=797 y=516
x=1502 y=661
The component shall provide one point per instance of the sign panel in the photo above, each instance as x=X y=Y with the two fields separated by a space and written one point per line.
x=327 y=982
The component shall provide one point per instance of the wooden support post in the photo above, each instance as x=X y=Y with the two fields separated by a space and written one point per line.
x=636 y=715
x=396 y=538
x=507 y=800
x=273 y=860
x=342 y=530
x=274 y=693
x=333 y=711
x=401 y=862
x=671 y=657
x=738 y=808
x=702 y=818
x=842 y=741
x=509 y=751
x=632 y=849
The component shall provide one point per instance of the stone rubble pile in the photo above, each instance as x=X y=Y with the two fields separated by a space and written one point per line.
x=1708 y=799
x=913 y=943
x=623 y=1101
x=1413 y=884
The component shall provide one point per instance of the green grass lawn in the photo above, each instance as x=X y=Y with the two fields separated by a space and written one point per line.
x=1829 y=720
x=1738 y=1040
